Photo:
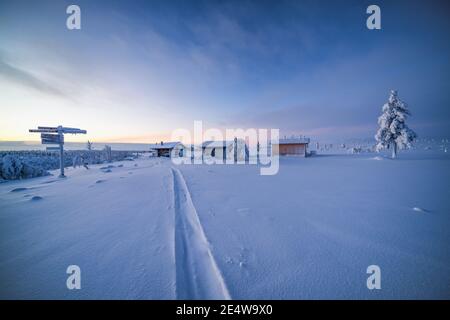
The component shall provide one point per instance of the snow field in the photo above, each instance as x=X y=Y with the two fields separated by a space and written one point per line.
x=151 y=230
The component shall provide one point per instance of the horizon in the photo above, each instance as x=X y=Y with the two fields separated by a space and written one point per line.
x=314 y=139
x=136 y=71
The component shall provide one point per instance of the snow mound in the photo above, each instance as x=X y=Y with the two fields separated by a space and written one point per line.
x=377 y=158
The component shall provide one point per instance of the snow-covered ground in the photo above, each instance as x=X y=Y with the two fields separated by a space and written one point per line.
x=148 y=229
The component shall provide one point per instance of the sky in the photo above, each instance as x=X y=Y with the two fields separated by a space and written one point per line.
x=137 y=70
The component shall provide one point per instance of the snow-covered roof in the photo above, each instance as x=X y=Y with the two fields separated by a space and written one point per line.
x=222 y=143
x=216 y=144
x=165 y=145
x=292 y=141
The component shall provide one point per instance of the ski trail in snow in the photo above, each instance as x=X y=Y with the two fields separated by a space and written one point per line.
x=197 y=274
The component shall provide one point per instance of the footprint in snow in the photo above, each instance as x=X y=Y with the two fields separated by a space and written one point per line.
x=47 y=182
x=417 y=209
x=100 y=181
x=36 y=198
x=107 y=167
x=229 y=260
x=18 y=189
x=106 y=171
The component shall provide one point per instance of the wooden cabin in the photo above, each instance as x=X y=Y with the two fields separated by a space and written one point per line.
x=168 y=149
x=293 y=146
x=225 y=150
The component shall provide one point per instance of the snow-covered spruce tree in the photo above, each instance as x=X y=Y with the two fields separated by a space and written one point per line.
x=393 y=132
x=89 y=145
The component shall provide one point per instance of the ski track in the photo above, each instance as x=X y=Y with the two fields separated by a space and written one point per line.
x=197 y=274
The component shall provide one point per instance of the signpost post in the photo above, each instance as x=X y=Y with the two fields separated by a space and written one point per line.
x=55 y=135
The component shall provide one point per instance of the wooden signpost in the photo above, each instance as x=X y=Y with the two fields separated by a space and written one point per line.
x=55 y=135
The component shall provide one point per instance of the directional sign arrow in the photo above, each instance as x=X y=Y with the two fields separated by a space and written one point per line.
x=52 y=139
x=43 y=130
x=73 y=130
x=52 y=148
x=50 y=136
x=43 y=141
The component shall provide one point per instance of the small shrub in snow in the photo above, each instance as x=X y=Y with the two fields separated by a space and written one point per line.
x=11 y=167
x=89 y=145
x=20 y=167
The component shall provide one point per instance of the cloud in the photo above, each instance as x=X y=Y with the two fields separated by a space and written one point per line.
x=29 y=80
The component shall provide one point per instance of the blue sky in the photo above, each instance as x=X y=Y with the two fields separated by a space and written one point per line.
x=139 y=69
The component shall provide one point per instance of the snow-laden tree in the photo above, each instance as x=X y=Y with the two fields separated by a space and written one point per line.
x=393 y=132
x=16 y=167
x=89 y=145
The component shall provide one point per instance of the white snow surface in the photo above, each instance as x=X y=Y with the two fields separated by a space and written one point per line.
x=153 y=230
